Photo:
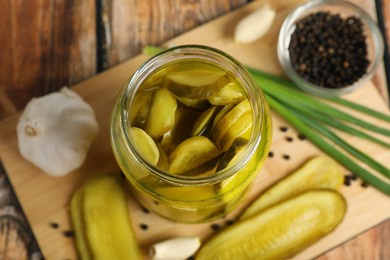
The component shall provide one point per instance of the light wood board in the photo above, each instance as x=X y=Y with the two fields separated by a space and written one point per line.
x=46 y=199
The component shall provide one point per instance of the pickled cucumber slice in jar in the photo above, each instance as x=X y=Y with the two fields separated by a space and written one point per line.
x=229 y=119
x=145 y=145
x=232 y=153
x=281 y=231
x=140 y=108
x=195 y=84
x=191 y=153
x=203 y=121
x=196 y=103
x=161 y=113
x=184 y=121
x=231 y=93
x=242 y=127
x=222 y=113
x=163 y=160
x=320 y=172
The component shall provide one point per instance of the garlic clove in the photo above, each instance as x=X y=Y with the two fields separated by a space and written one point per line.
x=255 y=25
x=56 y=131
x=175 y=249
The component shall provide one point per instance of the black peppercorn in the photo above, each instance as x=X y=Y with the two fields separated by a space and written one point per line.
x=328 y=50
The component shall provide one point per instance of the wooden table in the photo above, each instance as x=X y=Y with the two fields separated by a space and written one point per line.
x=48 y=44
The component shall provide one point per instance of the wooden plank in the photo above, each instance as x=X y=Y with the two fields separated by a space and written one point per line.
x=367 y=205
x=44 y=46
x=129 y=25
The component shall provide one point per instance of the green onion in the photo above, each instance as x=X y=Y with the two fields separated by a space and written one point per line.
x=327 y=147
x=317 y=115
x=340 y=142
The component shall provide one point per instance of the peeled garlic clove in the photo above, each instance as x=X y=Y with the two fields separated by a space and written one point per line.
x=175 y=249
x=255 y=25
x=56 y=131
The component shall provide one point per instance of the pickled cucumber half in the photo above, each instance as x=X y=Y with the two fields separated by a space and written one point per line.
x=281 y=231
x=140 y=107
x=243 y=126
x=145 y=145
x=100 y=214
x=203 y=121
x=76 y=213
x=191 y=153
x=320 y=172
x=229 y=119
x=231 y=93
x=196 y=84
x=161 y=113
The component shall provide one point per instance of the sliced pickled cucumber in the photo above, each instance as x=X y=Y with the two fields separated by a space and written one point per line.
x=145 y=145
x=243 y=126
x=281 y=231
x=107 y=222
x=231 y=93
x=321 y=172
x=161 y=113
x=229 y=119
x=232 y=153
x=203 y=121
x=244 y=175
x=222 y=113
x=186 y=193
x=76 y=212
x=196 y=84
x=184 y=121
x=140 y=107
x=196 y=103
x=207 y=169
x=191 y=153
x=163 y=160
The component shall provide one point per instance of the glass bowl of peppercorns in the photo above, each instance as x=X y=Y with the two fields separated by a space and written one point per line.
x=329 y=47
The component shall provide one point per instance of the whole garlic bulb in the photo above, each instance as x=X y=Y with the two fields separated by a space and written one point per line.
x=56 y=131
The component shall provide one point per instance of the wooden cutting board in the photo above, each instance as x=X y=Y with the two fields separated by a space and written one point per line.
x=45 y=199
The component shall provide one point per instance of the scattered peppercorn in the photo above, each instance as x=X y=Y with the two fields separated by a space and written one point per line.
x=68 y=233
x=289 y=139
x=301 y=137
x=143 y=226
x=270 y=154
x=328 y=50
x=54 y=225
x=365 y=184
x=215 y=227
x=283 y=128
x=347 y=180
x=229 y=222
x=286 y=156
x=145 y=210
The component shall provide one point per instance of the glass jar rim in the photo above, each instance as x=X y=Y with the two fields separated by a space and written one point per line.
x=208 y=54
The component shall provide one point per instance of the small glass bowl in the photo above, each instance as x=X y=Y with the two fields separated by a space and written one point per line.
x=374 y=41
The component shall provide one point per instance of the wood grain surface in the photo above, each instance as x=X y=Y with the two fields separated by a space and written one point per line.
x=47 y=44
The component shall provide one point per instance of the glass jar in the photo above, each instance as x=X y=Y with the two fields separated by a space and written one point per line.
x=182 y=198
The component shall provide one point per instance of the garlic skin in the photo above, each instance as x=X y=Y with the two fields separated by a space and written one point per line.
x=56 y=131
x=179 y=248
x=255 y=25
